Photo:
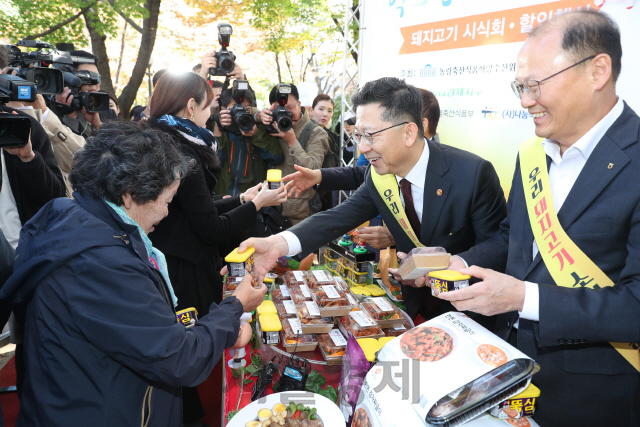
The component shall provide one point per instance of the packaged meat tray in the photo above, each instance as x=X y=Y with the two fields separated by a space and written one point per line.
x=310 y=319
x=360 y=324
x=331 y=300
x=293 y=339
x=316 y=278
x=332 y=346
x=294 y=278
x=385 y=313
x=300 y=293
x=286 y=309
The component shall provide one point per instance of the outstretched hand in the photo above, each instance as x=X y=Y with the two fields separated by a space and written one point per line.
x=302 y=180
x=268 y=250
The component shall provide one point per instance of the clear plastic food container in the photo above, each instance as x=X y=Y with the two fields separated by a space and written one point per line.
x=341 y=283
x=280 y=294
x=332 y=346
x=317 y=278
x=231 y=283
x=286 y=309
x=385 y=313
x=292 y=335
x=295 y=277
x=398 y=330
x=331 y=300
x=300 y=293
x=310 y=319
x=360 y=324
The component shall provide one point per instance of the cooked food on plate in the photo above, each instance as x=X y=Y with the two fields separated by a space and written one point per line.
x=287 y=416
x=492 y=355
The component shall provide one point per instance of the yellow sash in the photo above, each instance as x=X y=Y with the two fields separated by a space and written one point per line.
x=385 y=184
x=557 y=249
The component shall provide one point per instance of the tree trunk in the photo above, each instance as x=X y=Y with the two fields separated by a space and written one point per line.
x=100 y=49
x=278 y=65
x=149 y=27
x=124 y=36
x=286 y=60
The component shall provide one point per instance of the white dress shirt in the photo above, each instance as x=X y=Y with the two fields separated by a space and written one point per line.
x=563 y=172
x=416 y=177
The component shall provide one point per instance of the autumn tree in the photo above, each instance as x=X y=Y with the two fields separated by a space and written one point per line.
x=64 y=21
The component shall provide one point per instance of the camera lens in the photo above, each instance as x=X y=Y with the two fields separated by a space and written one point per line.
x=94 y=102
x=246 y=122
x=41 y=81
x=284 y=124
x=227 y=65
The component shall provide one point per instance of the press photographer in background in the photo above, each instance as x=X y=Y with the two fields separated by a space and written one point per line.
x=64 y=142
x=196 y=224
x=245 y=150
x=88 y=112
x=303 y=142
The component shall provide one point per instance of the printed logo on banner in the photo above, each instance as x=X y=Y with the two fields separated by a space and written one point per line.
x=506 y=26
x=427 y=71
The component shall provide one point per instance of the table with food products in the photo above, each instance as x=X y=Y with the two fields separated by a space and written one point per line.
x=332 y=345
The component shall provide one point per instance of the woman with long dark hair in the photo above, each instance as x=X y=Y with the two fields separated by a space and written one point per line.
x=197 y=224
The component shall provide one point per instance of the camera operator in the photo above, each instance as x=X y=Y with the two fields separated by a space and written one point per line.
x=84 y=124
x=305 y=144
x=30 y=175
x=244 y=156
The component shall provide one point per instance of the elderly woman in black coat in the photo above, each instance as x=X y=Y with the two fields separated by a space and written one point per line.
x=102 y=344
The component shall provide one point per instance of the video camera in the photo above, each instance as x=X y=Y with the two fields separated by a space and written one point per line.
x=93 y=102
x=242 y=120
x=281 y=115
x=15 y=130
x=33 y=65
x=225 y=58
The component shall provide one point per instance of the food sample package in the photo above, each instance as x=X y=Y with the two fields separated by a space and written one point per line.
x=231 y=283
x=397 y=330
x=340 y=282
x=267 y=307
x=286 y=309
x=310 y=319
x=385 y=313
x=421 y=261
x=240 y=264
x=519 y=406
x=447 y=281
x=300 y=293
x=316 y=278
x=274 y=179
x=270 y=327
x=332 y=345
x=294 y=277
x=293 y=339
x=361 y=325
x=331 y=300
x=280 y=294
x=463 y=370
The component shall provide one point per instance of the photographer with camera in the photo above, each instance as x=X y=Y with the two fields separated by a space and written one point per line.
x=30 y=173
x=303 y=142
x=245 y=150
x=82 y=82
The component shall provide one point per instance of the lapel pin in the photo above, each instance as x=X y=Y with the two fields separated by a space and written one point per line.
x=439 y=192
x=610 y=166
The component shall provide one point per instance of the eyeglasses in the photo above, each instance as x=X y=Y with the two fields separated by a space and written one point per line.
x=368 y=137
x=532 y=87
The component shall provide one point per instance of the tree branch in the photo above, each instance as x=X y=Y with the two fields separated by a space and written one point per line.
x=60 y=25
x=125 y=17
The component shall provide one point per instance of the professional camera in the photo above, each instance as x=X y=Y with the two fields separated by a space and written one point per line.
x=33 y=66
x=242 y=120
x=93 y=102
x=15 y=130
x=281 y=115
x=225 y=58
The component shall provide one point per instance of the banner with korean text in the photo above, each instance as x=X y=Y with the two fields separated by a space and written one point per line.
x=464 y=51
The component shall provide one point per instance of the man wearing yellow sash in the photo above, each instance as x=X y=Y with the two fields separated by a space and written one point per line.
x=570 y=246
x=428 y=194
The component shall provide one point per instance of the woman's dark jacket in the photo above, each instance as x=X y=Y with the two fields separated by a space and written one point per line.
x=195 y=226
x=101 y=342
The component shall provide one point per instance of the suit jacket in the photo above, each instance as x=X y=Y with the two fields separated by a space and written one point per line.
x=342 y=178
x=468 y=211
x=602 y=216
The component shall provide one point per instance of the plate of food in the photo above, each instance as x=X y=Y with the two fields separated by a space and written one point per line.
x=311 y=410
x=492 y=355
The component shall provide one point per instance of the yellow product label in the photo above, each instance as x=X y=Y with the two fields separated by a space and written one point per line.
x=274 y=175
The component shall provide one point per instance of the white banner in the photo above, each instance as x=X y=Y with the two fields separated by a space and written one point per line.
x=464 y=51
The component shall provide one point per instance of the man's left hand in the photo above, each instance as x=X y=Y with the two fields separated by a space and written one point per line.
x=377 y=237
x=497 y=293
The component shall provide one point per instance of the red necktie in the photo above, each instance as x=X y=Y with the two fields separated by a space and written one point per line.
x=409 y=208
